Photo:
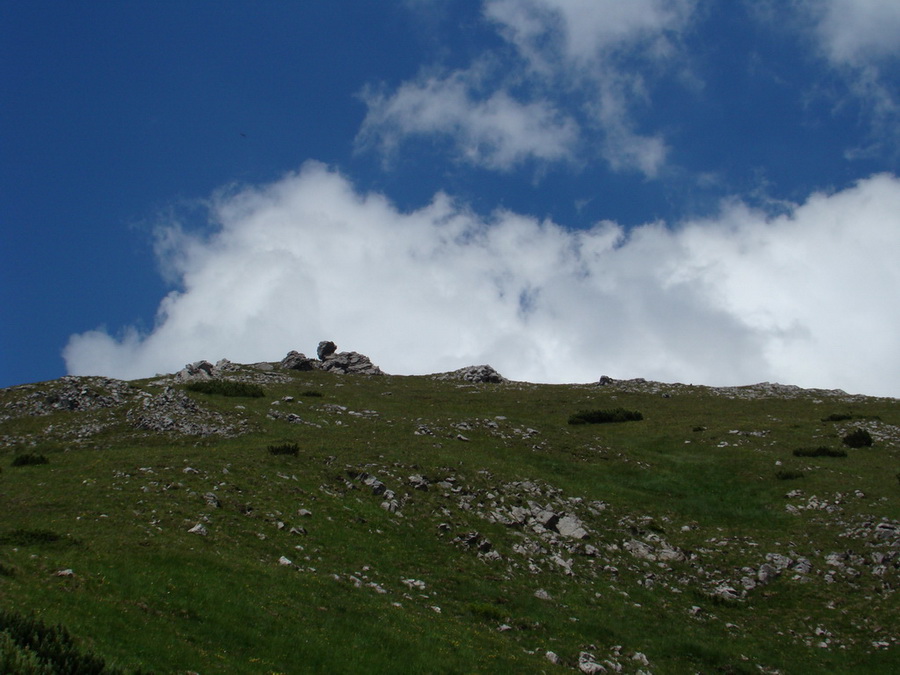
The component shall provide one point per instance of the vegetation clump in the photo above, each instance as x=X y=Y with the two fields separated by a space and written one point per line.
x=837 y=417
x=23 y=537
x=605 y=416
x=284 y=449
x=821 y=451
x=788 y=474
x=858 y=438
x=29 y=460
x=227 y=388
x=28 y=645
x=312 y=393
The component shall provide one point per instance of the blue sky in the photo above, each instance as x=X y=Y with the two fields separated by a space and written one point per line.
x=685 y=190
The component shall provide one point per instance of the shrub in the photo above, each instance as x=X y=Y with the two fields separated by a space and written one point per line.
x=312 y=393
x=227 y=388
x=486 y=611
x=788 y=474
x=21 y=537
x=605 y=416
x=821 y=451
x=284 y=449
x=28 y=645
x=858 y=438
x=29 y=460
x=837 y=417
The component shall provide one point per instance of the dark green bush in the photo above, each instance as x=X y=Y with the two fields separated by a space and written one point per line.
x=312 y=393
x=821 y=451
x=227 y=388
x=858 y=438
x=29 y=460
x=486 y=612
x=21 y=537
x=837 y=417
x=284 y=449
x=788 y=474
x=605 y=416
x=32 y=644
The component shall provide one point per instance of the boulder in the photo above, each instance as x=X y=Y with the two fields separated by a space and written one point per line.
x=475 y=374
x=297 y=361
x=351 y=363
x=326 y=348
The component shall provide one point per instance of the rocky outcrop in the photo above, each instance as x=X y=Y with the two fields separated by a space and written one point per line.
x=329 y=359
x=351 y=363
x=297 y=361
x=474 y=374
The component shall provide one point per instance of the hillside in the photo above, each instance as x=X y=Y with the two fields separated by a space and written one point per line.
x=289 y=518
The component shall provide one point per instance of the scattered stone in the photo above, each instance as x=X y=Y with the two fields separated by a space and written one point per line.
x=200 y=529
x=541 y=594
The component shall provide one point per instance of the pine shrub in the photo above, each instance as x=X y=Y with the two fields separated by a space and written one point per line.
x=858 y=438
x=29 y=460
x=227 y=388
x=284 y=449
x=821 y=451
x=605 y=416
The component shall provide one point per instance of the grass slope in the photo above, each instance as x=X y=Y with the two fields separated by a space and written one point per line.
x=394 y=541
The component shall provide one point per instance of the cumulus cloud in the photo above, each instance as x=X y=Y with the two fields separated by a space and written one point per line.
x=738 y=298
x=496 y=131
x=858 y=38
x=592 y=58
x=857 y=32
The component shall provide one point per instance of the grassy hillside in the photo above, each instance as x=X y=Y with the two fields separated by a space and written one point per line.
x=349 y=523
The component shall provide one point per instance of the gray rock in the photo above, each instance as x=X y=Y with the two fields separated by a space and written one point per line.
x=587 y=664
x=351 y=363
x=297 y=361
x=569 y=526
x=325 y=349
x=475 y=374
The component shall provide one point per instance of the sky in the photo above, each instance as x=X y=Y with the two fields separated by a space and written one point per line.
x=698 y=191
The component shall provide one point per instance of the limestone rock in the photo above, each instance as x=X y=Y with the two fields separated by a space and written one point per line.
x=326 y=348
x=351 y=363
x=475 y=374
x=297 y=361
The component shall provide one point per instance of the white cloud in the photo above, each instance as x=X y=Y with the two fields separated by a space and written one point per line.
x=801 y=298
x=576 y=73
x=496 y=131
x=859 y=39
x=857 y=32
x=583 y=32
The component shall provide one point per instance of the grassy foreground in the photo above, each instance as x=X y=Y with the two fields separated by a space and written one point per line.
x=418 y=525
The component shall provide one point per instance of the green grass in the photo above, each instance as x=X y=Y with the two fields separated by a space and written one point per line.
x=700 y=473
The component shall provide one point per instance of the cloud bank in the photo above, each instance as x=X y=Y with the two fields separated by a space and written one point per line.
x=742 y=297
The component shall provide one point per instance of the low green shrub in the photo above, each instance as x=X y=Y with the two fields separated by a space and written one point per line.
x=22 y=537
x=858 y=438
x=284 y=449
x=312 y=393
x=837 y=417
x=29 y=460
x=28 y=645
x=788 y=474
x=605 y=416
x=227 y=388
x=821 y=451
x=486 y=612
